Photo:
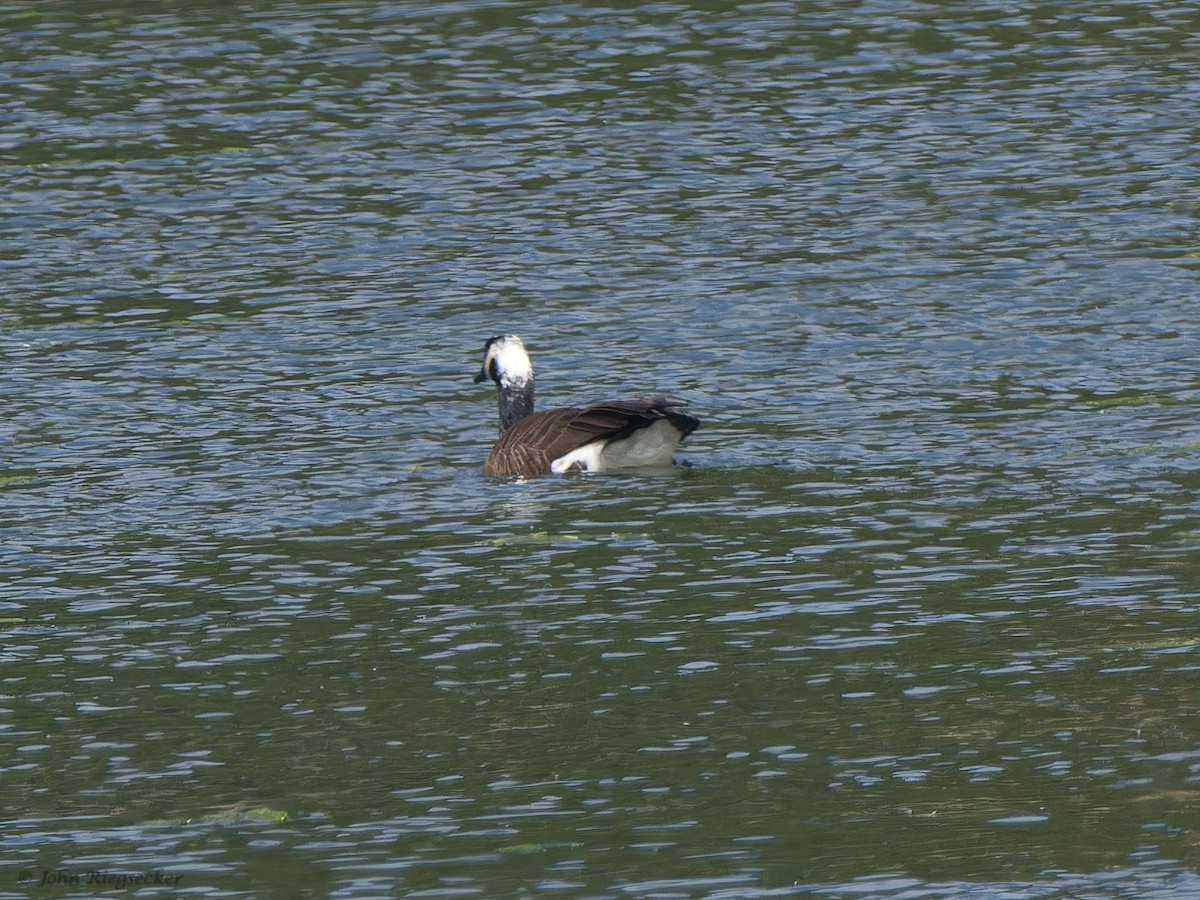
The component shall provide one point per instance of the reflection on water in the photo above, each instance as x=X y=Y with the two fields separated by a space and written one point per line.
x=917 y=621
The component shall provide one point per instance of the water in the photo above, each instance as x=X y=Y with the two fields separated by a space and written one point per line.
x=917 y=622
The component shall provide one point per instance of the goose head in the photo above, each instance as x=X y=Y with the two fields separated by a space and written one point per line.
x=507 y=363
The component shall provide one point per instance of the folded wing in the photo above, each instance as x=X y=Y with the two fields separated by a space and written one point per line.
x=532 y=444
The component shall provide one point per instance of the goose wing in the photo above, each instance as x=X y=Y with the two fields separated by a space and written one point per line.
x=529 y=446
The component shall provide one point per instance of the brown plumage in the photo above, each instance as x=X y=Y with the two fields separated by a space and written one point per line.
x=613 y=434
x=533 y=443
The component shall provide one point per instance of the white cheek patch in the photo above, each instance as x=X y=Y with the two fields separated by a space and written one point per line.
x=512 y=362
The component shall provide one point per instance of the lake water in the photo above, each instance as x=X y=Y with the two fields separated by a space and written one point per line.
x=918 y=621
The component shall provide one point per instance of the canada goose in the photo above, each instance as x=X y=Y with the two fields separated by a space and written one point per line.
x=616 y=434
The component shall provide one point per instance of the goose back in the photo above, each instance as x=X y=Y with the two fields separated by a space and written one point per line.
x=531 y=445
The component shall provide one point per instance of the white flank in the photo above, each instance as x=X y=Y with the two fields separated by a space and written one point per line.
x=651 y=446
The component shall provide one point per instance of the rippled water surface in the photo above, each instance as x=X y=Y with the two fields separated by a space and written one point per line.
x=919 y=620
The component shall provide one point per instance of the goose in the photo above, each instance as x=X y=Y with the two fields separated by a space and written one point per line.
x=615 y=434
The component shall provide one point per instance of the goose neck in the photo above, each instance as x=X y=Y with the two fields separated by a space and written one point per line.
x=516 y=402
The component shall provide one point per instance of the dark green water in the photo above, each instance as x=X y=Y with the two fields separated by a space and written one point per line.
x=918 y=622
